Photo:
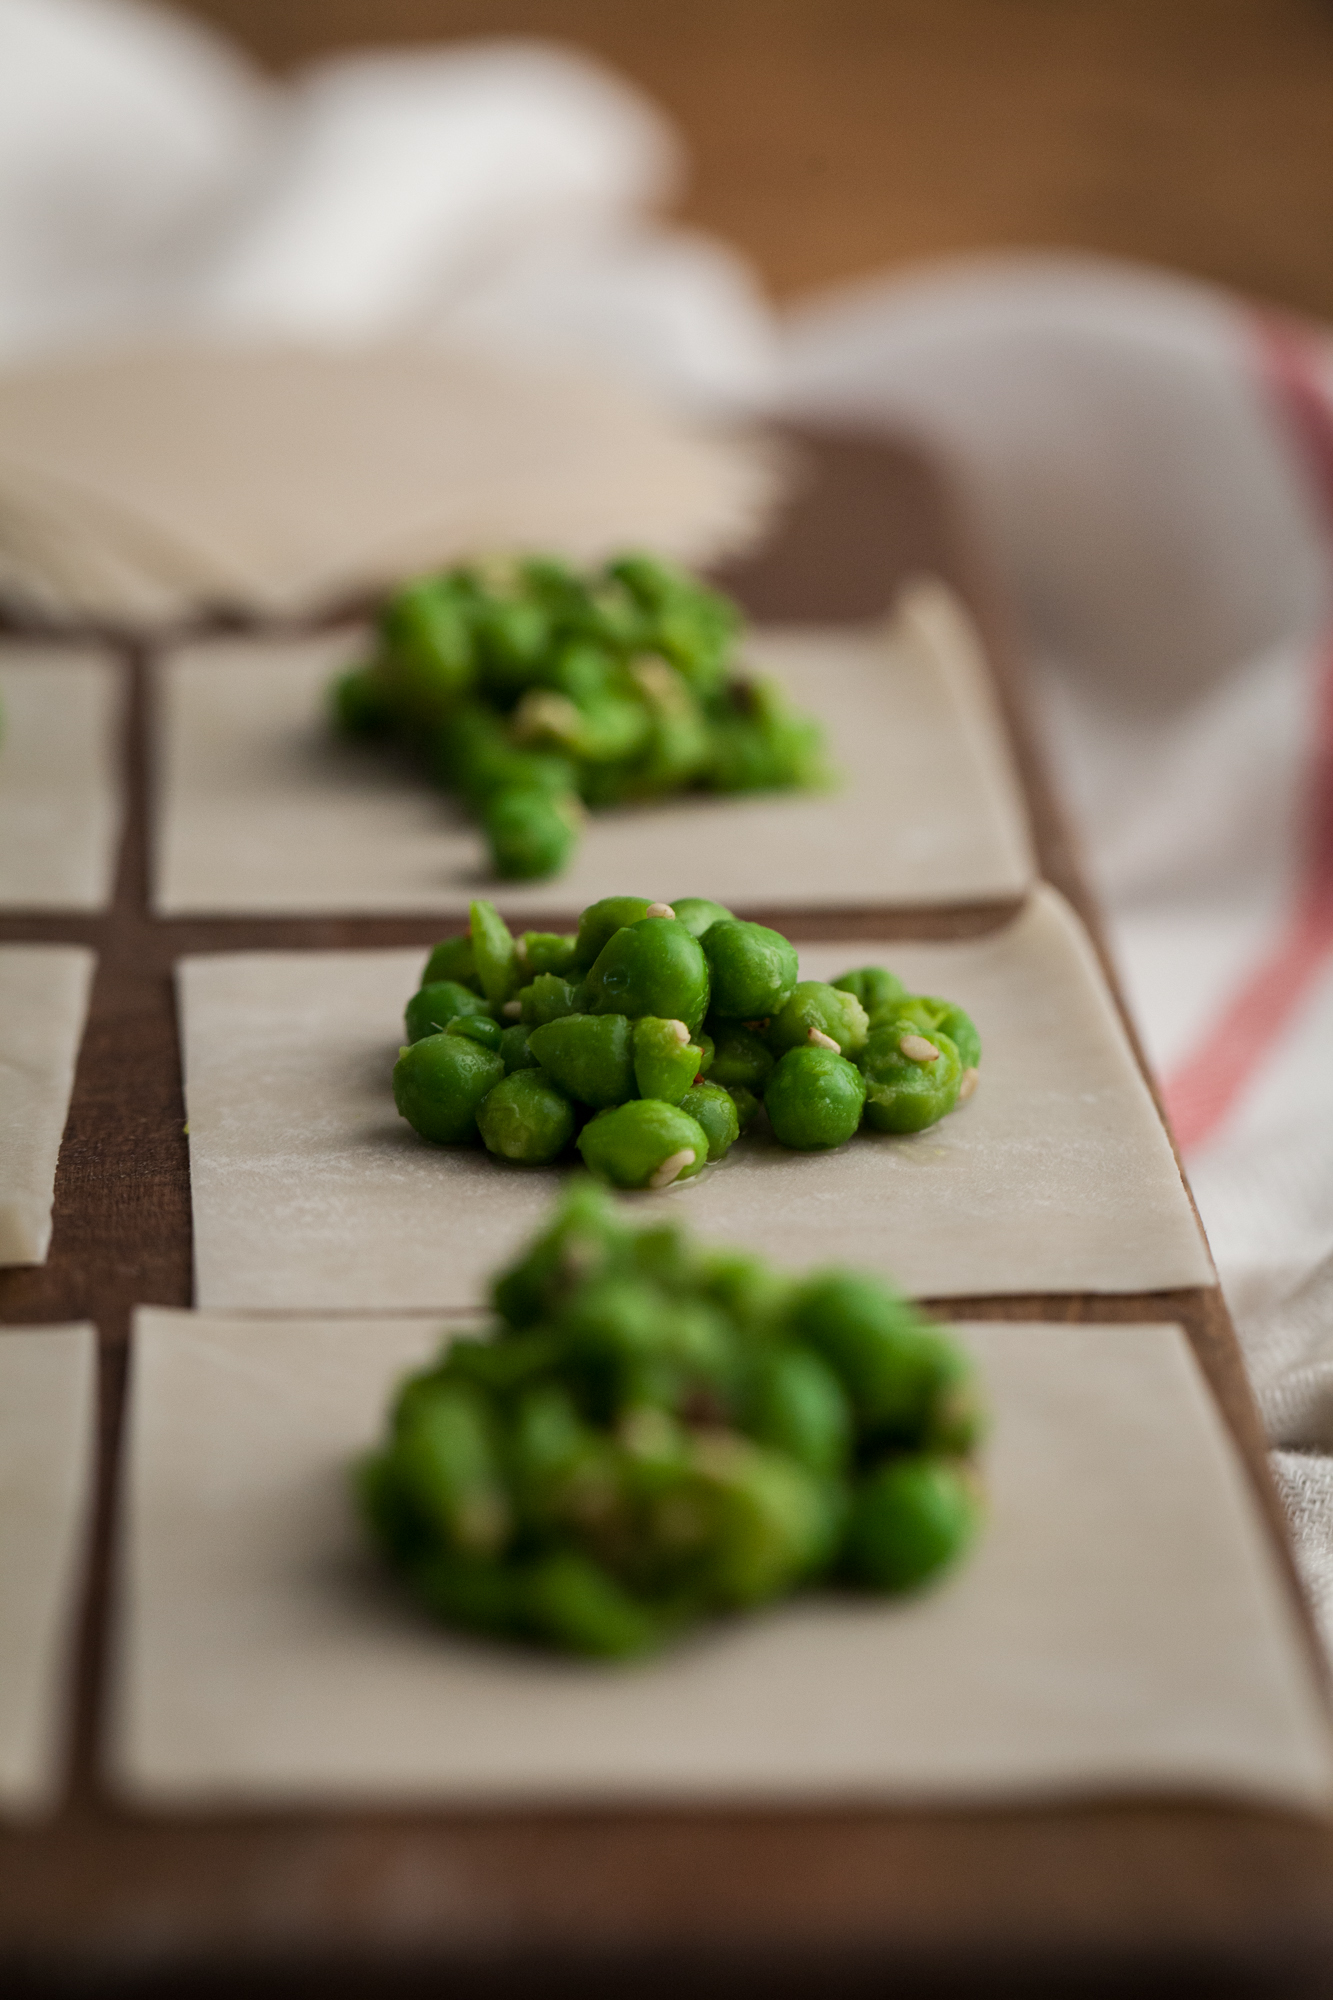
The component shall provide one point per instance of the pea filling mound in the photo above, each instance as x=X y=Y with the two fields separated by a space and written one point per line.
x=534 y=692
x=653 y=1038
x=654 y=1433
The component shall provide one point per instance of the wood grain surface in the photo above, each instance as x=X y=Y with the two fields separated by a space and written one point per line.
x=1146 y=1897
x=832 y=137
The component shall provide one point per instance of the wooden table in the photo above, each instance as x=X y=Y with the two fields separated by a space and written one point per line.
x=1141 y=1897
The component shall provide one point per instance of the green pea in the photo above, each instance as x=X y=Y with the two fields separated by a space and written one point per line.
x=644 y=1144
x=438 y=1084
x=430 y=1011
x=740 y=1058
x=795 y=1403
x=911 y=1079
x=573 y=1602
x=515 y=1051
x=361 y=703
x=876 y=989
x=653 y=966
x=666 y=1061
x=911 y=1518
x=453 y=959
x=698 y=914
x=428 y=649
x=707 y=1050
x=584 y=1235
x=753 y=970
x=817 y=1009
x=549 y=998
x=531 y=833
x=909 y=1384
x=546 y=951
x=600 y=920
x=814 y=1099
x=478 y=1028
x=772 y=1521
x=748 y=1106
x=494 y=952
x=446 y=1456
x=748 y=1289
x=942 y=1017
x=590 y=1056
x=712 y=1107
x=526 y=1119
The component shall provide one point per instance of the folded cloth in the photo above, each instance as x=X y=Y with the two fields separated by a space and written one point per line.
x=1154 y=462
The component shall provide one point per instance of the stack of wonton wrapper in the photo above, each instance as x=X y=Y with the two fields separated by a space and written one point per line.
x=151 y=484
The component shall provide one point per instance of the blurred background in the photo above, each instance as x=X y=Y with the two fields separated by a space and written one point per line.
x=832 y=137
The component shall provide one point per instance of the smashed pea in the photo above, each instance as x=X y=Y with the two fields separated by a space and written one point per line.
x=651 y=1435
x=686 y=1019
x=535 y=692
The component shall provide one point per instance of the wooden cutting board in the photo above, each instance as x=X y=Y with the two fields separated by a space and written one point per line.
x=1141 y=1897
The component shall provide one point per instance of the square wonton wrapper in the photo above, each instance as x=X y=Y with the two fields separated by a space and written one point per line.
x=43 y=1005
x=48 y=1381
x=1122 y=1626
x=60 y=784
x=310 y=1193
x=260 y=808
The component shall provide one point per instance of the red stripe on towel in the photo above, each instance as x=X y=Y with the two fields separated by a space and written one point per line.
x=1202 y=1093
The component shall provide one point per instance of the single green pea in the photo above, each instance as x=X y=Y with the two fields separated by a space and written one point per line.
x=452 y=959
x=525 y=1118
x=666 y=1061
x=795 y=1403
x=571 y=1601
x=815 y=1009
x=590 y=1056
x=911 y=1518
x=430 y=1011
x=773 y=1523
x=447 y=1457
x=438 y=1084
x=429 y=650
x=515 y=1051
x=877 y=989
x=748 y=1106
x=478 y=1028
x=653 y=966
x=698 y=914
x=600 y=920
x=910 y=1385
x=494 y=952
x=361 y=703
x=942 y=1017
x=712 y=1107
x=740 y=1058
x=643 y=1144
x=531 y=833
x=911 y=1079
x=584 y=1236
x=549 y=998
x=547 y=951
x=814 y=1099
x=753 y=970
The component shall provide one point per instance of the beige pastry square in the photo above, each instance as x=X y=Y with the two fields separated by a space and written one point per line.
x=60 y=785
x=310 y=1193
x=1122 y=1628
x=48 y=1385
x=261 y=809
x=44 y=992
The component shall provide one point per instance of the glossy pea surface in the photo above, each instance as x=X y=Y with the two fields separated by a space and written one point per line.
x=601 y=920
x=905 y=1090
x=631 y=1145
x=438 y=1084
x=698 y=914
x=525 y=1118
x=713 y=1108
x=591 y=1057
x=815 y=1007
x=814 y=1099
x=753 y=970
x=666 y=1061
x=653 y=966
x=430 y=1010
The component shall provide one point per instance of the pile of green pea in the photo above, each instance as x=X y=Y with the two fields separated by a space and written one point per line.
x=655 y=1036
x=533 y=692
x=655 y=1433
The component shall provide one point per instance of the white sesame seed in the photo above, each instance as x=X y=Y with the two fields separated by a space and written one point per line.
x=967 y=1083
x=660 y=910
x=672 y=1167
x=819 y=1040
x=917 y=1049
x=680 y=1031
x=512 y=1009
